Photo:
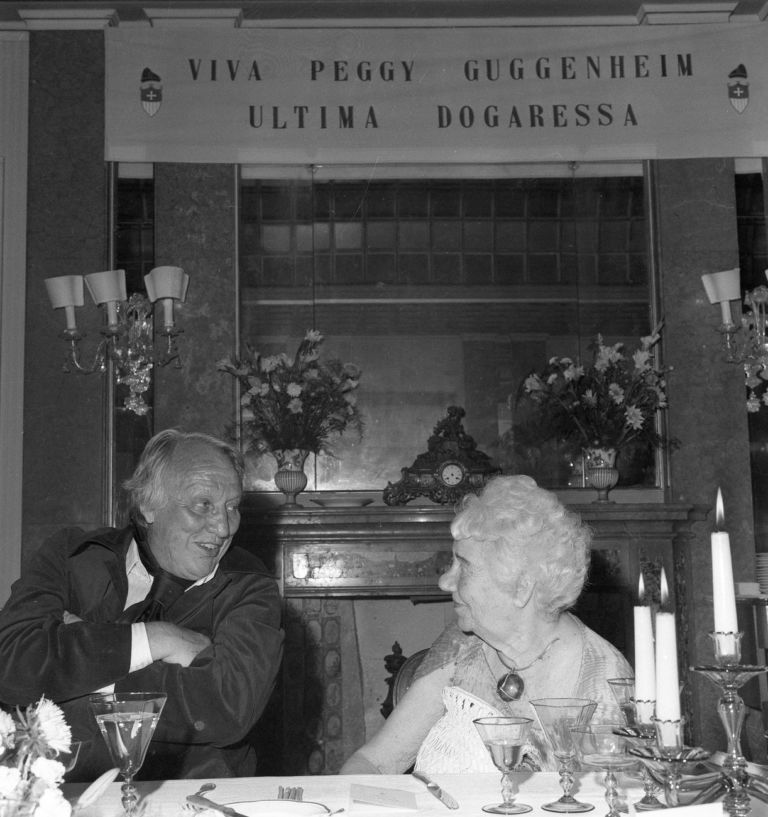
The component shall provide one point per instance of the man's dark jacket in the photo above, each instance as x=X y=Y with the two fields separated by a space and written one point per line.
x=213 y=704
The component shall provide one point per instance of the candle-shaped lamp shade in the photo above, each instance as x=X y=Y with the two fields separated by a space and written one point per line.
x=66 y=292
x=645 y=663
x=722 y=288
x=667 y=682
x=167 y=284
x=108 y=288
x=723 y=591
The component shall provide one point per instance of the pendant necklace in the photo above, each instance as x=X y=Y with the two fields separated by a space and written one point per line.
x=510 y=686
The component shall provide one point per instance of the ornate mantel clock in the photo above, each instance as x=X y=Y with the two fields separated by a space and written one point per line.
x=450 y=468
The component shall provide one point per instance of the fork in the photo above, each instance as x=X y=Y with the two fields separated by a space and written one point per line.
x=290 y=793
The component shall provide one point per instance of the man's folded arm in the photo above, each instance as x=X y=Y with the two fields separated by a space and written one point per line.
x=223 y=692
x=40 y=654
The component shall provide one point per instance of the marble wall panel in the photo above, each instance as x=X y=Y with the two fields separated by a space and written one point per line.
x=195 y=229
x=67 y=235
x=697 y=234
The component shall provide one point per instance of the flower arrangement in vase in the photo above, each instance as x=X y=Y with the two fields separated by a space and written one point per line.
x=601 y=408
x=294 y=405
x=33 y=745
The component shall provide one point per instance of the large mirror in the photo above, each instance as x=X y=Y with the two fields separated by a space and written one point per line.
x=446 y=290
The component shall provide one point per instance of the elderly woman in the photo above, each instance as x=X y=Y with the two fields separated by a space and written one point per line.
x=519 y=562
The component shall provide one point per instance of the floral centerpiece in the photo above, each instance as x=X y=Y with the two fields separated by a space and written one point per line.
x=295 y=403
x=30 y=771
x=607 y=405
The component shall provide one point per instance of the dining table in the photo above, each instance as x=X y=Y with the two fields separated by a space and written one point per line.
x=371 y=795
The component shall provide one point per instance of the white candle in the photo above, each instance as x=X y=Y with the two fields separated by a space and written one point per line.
x=112 y=313
x=667 y=682
x=725 y=312
x=168 y=312
x=645 y=664
x=69 y=316
x=723 y=592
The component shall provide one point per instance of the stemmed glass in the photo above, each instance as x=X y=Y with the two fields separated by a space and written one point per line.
x=557 y=716
x=639 y=733
x=127 y=722
x=602 y=747
x=505 y=739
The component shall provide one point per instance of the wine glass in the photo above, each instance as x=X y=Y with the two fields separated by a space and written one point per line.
x=601 y=746
x=643 y=734
x=623 y=690
x=505 y=739
x=127 y=721
x=556 y=716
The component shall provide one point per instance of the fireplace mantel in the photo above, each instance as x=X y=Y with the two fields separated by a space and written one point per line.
x=380 y=551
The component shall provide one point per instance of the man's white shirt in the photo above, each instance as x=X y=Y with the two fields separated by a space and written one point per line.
x=139 y=585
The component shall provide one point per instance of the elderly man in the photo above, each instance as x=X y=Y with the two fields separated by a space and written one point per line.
x=162 y=605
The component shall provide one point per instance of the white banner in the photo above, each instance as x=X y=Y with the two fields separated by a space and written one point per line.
x=423 y=95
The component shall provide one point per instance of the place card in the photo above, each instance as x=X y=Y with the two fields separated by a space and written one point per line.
x=380 y=796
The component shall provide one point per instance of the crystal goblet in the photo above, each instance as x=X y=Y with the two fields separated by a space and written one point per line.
x=505 y=739
x=557 y=716
x=127 y=722
x=600 y=747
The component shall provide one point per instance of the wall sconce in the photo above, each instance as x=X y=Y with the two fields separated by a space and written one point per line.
x=128 y=337
x=744 y=343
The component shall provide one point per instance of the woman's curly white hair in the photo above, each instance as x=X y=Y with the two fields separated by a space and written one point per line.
x=528 y=531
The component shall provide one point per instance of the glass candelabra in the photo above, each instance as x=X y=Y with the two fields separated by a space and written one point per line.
x=129 y=345
x=640 y=731
x=667 y=758
x=729 y=674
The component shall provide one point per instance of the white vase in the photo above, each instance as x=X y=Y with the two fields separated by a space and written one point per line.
x=600 y=470
x=290 y=477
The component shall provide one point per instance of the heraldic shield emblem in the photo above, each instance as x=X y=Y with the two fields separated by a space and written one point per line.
x=738 y=88
x=151 y=92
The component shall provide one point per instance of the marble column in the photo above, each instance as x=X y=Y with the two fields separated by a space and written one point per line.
x=64 y=434
x=696 y=233
x=196 y=229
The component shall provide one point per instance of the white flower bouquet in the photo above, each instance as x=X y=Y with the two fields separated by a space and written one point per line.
x=295 y=402
x=608 y=404
x=31 y=770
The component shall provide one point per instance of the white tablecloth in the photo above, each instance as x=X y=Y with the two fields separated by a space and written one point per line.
x=473 y=791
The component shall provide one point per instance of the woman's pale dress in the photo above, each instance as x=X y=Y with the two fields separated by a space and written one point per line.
x=453 y=745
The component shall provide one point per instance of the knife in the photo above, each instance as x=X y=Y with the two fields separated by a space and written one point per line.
x=203 y=802
x=436 y=791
